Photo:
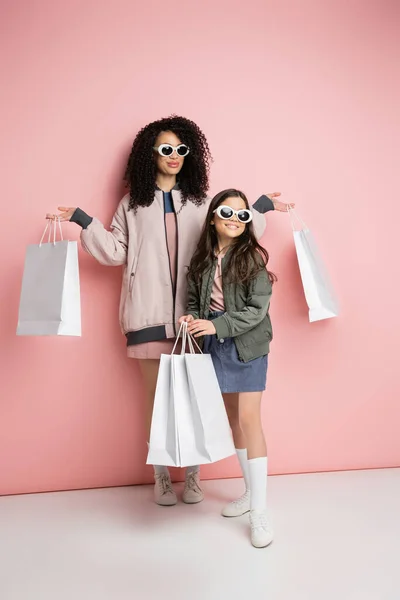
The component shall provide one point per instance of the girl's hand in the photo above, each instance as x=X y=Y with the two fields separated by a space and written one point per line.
x=278 y=205
x=200 y=327
x=185 y=319
x=65 y=214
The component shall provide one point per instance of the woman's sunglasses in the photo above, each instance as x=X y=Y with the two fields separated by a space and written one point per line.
x=167 y=149
x=226 y=213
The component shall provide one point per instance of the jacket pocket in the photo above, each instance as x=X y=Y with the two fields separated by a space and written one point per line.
x=261 y=333
x=132 y=274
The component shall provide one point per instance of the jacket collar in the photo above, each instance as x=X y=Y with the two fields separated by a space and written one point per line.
x=176 y=187
x=176 y=197
x=226 y=255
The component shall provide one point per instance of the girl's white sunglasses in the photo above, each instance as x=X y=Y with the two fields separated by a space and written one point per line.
x=168 y=150
x=226 y=213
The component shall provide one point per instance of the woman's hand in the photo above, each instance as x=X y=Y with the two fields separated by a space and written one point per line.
x=65 y=214
x=200 y=327
x=278 y=205
x=185 y=319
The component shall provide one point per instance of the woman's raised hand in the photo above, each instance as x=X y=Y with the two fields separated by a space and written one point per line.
x=65 y=214
x=278 y=204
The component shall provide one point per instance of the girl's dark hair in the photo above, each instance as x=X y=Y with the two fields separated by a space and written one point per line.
x=246 y=258
x=141 y=170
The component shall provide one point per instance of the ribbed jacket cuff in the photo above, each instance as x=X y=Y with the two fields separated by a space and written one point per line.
x=221 y=327
x=81 y=218
x=264 y=204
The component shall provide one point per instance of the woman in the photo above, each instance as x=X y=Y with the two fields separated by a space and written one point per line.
x=154 y=234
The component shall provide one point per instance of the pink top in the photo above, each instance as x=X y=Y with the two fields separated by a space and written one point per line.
x=153 y=350
x=217 y=296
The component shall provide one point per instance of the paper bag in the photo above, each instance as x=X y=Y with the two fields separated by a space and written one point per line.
x=50 y=296
x=320 y=297
x=189 y=425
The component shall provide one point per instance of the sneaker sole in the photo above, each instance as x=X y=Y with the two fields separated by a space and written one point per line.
x=161 y=504
x=235 y=516
x=192 y=501
x=264 y=546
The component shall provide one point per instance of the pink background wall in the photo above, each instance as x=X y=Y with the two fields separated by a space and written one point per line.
x=300 y=97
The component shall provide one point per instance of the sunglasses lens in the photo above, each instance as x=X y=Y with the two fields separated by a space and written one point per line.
x=225 y=212
x=244 y=216
x=166 y=150
x=182 y=150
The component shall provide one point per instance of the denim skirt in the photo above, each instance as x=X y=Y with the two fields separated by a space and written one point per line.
x=234 y=375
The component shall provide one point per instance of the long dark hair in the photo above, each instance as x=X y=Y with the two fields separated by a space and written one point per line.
x=141 y=170
x=246 y=257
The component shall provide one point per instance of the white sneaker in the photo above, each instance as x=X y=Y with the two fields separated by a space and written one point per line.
x=261 y=531
x=238 y=507
x=192 y=494
x=164 y=494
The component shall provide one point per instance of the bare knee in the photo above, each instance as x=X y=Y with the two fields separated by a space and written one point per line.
x=232 y=410
x=249 y=418
x=235 y=427
x=149 y=370
x=233 y=417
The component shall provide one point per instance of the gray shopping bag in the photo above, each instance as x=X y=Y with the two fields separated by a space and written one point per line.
x=50 y=296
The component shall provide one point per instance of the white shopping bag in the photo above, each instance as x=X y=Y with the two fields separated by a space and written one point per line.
x=320 y=297
x=163 y=446
x=50 y=297
x=189 y=424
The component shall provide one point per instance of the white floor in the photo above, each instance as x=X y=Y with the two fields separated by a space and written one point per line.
x=337 y=536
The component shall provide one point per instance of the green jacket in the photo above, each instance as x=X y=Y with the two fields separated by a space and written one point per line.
x=246 y=317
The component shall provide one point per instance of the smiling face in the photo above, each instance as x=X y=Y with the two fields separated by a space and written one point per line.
x=228 y=230
x=168 y=165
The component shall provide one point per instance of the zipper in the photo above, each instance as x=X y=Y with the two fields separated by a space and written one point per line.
x=173 y=287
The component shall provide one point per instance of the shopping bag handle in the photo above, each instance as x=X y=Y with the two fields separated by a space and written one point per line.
x=177 y=338
x=51 y=223
x=295 y=219
x=187 y=338
x=192 y=342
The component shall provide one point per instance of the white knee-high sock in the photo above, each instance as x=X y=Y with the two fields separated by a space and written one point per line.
x=242 y=457
x=258 y=483
x=159 y=469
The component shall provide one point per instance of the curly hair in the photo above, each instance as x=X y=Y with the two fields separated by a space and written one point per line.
x=141 y=170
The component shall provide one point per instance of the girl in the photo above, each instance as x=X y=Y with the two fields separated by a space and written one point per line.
x=229 y=291
x=153 y=234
